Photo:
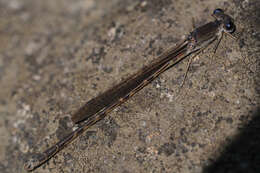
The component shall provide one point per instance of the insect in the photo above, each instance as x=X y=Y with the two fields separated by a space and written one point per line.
x=98 y=107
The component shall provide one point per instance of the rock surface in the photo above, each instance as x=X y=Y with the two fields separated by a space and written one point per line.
x=56 y=55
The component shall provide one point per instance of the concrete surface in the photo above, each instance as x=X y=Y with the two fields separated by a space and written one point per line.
x=56 y=55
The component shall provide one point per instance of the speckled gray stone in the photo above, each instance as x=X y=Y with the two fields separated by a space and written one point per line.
x=56 y=55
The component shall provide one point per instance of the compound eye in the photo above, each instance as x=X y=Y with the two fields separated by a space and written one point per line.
x=230 y=27
x=217 y=11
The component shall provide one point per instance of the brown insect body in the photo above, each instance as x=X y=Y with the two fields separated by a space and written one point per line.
x=98 y=107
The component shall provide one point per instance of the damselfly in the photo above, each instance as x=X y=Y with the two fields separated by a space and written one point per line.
x=97 y=108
